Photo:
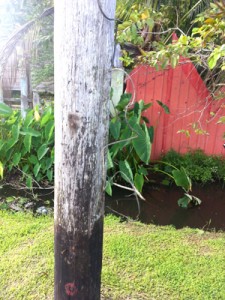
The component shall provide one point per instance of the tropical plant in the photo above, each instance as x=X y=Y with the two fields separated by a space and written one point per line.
x=142 y=25
x=27 y=145
x=201 y=168
x=205 y=46
x=181 y=11
x=179 y=176
x=30 y=46
x=130 y=141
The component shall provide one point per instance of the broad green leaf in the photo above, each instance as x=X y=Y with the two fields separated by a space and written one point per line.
x=124 y=100
x=28 y=119
x=16 y=159
x=42 y=151
x=182 y=179
x=183 y=39
x=137 y=110
x=109 y=161
x=143 y=171
x=36 y=169
x=150 y=22
x=10 y=143
x=213 y=58
x=49 y=162
x=15 y=137
x=124 y=25
x=2 y=143
x=29 y=182
x=15 y=131
x=174 y=60
x=23 y=151
x=184 y=201
x=30 y=131
x=5 y=110
x=47 y=117
x=134 y=17
x=25 y=168
x=142 y=104
x=33 y=159
x=9 y=153
x=139 y=107
x=187 y=199
x=27 y=142
x=141 y=143
x=151 y=133
x=43 y=165
x=125 y=138
x=139 y=182
x=221 y=120
x=114 y=127
x=13 y=119
x=132 y=122
x=165 y=62
x=164 y=106
x=146 y=106
x=108 y=188
x=114 y=149
x=49 y=130
x=126 y=172
x=50 y=175
x=1 y=170
x=133 y=30
x=52 y=155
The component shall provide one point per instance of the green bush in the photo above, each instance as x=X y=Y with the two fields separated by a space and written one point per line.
x=130 y=143
x=27 y=145
x=199 y=167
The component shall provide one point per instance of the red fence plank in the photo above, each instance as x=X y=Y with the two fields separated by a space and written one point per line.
x=191 y=109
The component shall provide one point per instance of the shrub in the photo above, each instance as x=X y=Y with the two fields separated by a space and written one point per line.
x=200 y=167
x=27 y=144
x=129 y=145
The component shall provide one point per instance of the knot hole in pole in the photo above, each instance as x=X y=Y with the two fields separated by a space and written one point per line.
x=74 y=121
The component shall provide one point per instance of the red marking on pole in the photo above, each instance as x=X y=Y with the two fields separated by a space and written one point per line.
x=71 y=289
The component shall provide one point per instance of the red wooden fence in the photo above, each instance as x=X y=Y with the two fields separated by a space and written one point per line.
x=192 y=110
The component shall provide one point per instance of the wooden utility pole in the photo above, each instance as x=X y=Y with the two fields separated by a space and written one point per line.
x=84 y=44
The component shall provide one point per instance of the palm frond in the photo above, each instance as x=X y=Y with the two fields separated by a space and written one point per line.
x=9 y=47
x=196 y=8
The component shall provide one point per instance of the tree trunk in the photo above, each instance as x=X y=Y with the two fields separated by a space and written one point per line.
x=24 y=84
x=1 y=92
x=84 y=41
x=36 y=99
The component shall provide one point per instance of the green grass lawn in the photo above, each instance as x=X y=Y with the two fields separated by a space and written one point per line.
x=140 y=261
